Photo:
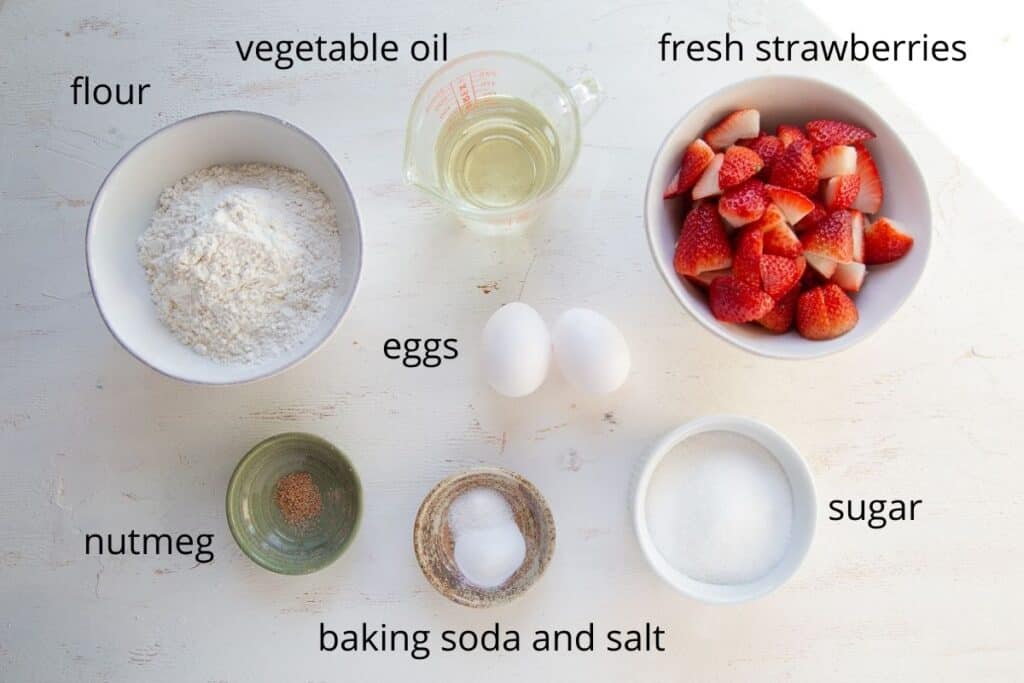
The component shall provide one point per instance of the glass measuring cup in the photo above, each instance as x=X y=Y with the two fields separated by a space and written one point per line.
x=467 y=86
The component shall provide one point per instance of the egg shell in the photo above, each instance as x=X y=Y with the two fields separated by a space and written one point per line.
x=590 y=351
x=516 y=350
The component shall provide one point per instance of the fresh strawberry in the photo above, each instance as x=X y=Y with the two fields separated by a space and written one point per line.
x=771 y=219
x=812 y=276
x=780 y=274
x=828 y=132
x=738 y=165
x=766 y=146
x=734 y=301
x=704 y=280
x=695 y=159
x=813 y=218
x=869 y=200
x=824 y=312
x=703 y=244
x=794 y=205
x=825 y=267
x=832 y=237
x=746 y=262
x=782 y=241
x=858 y=237
x=707 y=184
x=836 y=160
x=780 y=318
x=849 y=276
x=885 y=242
x=841 y=191
x=745 y=123
x=743 y=204
x=789 y=134
x=795 y=169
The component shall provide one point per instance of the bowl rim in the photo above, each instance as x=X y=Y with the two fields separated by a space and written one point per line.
x=419 y=523
x=336 y=453
x=719 y=330
x=91 y=228
x=752 y=429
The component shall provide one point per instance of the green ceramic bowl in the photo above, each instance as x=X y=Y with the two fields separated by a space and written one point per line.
x=256 y=521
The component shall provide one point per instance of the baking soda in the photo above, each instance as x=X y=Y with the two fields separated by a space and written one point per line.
x=720 y=509
x=489 y=547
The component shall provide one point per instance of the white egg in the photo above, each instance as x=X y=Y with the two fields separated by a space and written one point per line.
x=516 y=350
x=590 y=351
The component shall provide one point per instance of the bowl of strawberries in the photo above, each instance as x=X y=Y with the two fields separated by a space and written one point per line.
x=787 y=217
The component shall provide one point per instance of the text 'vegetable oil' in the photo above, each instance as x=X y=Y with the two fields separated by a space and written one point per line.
x=498 y=154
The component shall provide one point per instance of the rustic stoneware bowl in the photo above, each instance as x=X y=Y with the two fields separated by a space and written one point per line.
x=796 y=99
x=434 y=546
x=256 y=522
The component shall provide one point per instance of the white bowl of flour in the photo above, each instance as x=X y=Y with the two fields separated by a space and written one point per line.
x=224 y=248
x=724 y=509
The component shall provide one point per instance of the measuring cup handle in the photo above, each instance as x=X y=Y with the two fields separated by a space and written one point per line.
x=588 y=95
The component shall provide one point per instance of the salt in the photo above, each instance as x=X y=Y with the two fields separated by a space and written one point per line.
x=489 y=547
x=720 y=509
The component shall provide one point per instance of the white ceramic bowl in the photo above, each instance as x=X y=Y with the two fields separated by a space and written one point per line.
x=796 y=100
x=126 y=201
x=804 y=510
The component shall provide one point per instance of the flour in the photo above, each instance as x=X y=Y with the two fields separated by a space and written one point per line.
x=242 y=260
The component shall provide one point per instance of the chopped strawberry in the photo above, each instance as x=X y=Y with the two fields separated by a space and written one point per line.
x=704 y=280
x=794 y=205
x=825 y=267
x=885 y=242
x=841 y=191
x=744 y=203
x=734 y=301
x=745 y=123
x=813 y=218
x=849 y=276
x=746 y=262
x=836 y=160
x=869 y=199
x=771 y=219
x=738 y=165
x=828 y=132
x=858 y=237
x=795 y=169
x=824 y=312
x=703 y=244
x=766 y=146
x=695 y=159
x=782 y=241
x=780 y=274
x=780 y=318
x=707 y=184
x=832 y=237
x=789 y=134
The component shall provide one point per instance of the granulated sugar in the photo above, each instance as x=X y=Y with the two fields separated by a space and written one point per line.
x=489 y=547
x=720 y=508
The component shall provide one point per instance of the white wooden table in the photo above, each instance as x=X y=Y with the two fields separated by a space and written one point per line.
x=92 y=441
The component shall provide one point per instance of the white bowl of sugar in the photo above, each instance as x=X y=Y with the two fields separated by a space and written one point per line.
x=241 y=174
x=724 y=509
